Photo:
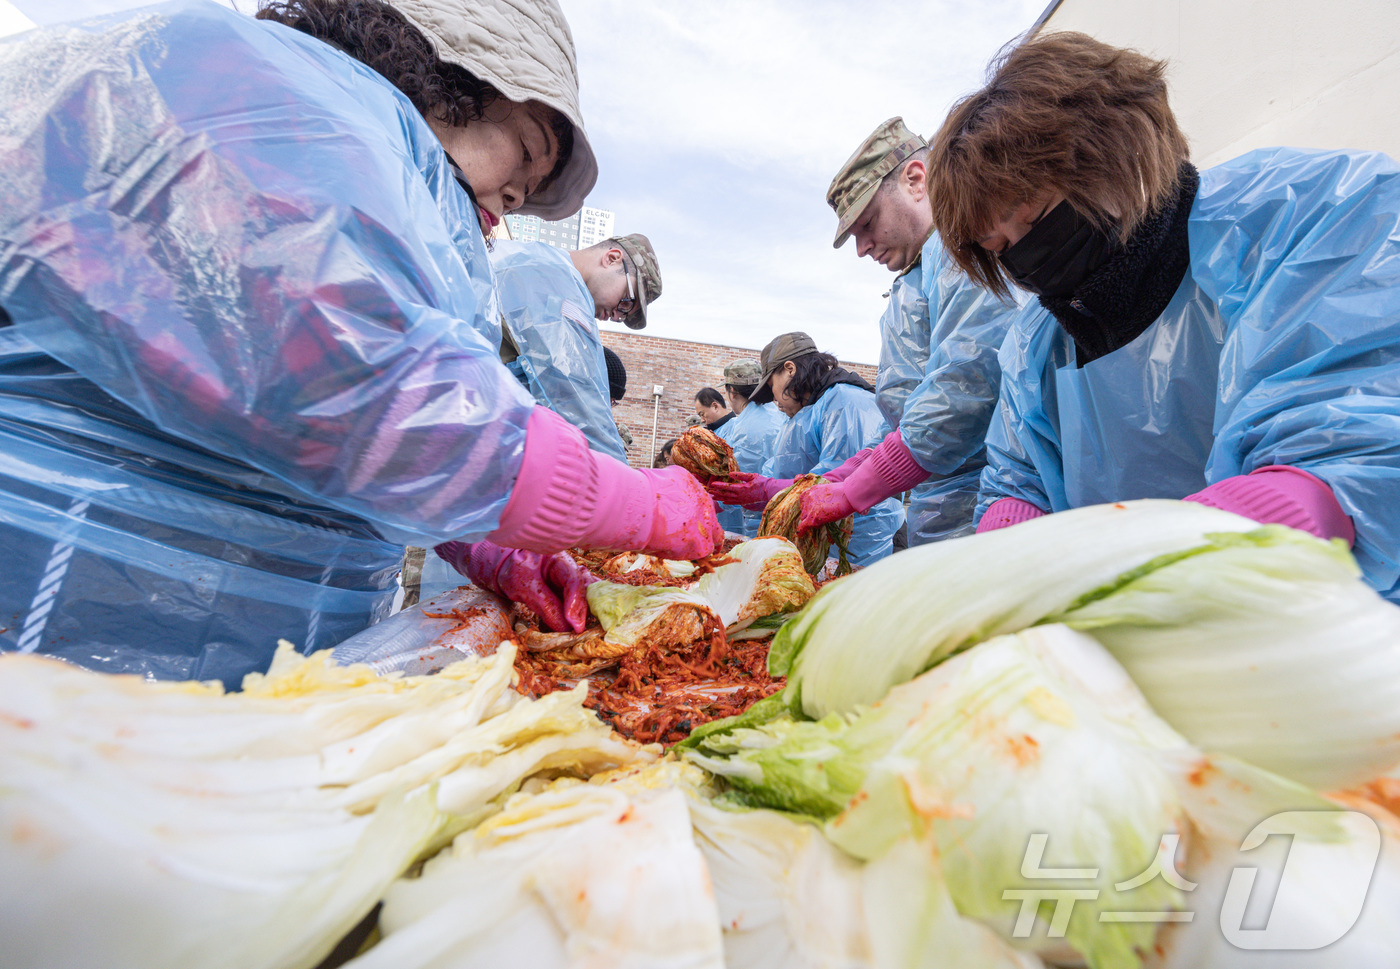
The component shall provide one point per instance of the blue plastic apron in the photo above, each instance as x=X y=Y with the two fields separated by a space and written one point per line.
x=130 y=551
x=1139 y=422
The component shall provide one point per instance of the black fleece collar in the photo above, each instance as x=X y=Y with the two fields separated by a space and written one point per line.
x=840 y=375
x=1116 y=304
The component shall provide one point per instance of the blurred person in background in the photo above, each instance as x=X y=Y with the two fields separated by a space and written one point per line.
x=1229 y=337
x=617 y=390
x=709 y=407
x=249 y=340
x=549 y=300
x=752 y=431
x=832 y=415
x=663 y=457
x=939 y=337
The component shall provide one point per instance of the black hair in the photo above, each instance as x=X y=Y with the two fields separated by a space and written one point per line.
x=809 y=381
x=378 y=36
x=708 y=397
x=743 y=390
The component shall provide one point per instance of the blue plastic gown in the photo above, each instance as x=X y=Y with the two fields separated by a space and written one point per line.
x=732 y=518
x=751 y=434
x=548 y=313
x=938 y=385
x=823 y=435
x=1282 y=346
x=238 y=378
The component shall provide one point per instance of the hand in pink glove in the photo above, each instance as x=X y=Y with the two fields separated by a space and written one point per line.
x=753 y=491
x=552 y=585
x=566 y=495
x=1005 y=512
x=822 y=504
x=882 y=472
x=684 y=524
x=1280 y=495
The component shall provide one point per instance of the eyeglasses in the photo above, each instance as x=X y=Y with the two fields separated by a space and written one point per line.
x=624 y=305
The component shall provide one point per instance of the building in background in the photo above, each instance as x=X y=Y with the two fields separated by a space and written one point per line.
x=1248 y=74
x=579 y=231
x=594 y=225
x=680 y=368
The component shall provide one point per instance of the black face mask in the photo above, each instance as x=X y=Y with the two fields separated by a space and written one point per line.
x=1061 y=251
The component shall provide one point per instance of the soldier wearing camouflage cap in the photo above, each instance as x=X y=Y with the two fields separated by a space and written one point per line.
x=939 y=338
x=881 y=197
x=549 y=342
x=622 y=275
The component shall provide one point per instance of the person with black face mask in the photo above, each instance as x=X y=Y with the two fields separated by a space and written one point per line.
x=1229 y=337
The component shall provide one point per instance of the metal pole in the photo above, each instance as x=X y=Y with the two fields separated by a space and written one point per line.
x=656 y=391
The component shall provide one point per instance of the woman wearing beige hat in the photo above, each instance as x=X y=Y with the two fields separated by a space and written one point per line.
x=248 y=336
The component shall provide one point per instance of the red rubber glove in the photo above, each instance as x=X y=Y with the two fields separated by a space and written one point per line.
x=552 y=585
x=1280 y=495
x=753 y=491
x=886 y=470
x=1005 y=512
x=566 y=495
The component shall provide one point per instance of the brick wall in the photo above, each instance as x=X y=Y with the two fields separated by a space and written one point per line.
x=682 y=367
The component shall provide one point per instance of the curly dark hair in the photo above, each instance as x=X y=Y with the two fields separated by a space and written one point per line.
x=806 y=384
x=380 y=37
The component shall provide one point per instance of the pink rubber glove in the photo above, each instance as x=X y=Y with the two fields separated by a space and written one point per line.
x=887 y=470
x=552 y=585
x=1005 y=512
x=843 y=471
x=567 y=495
x=824 y=503
x=753 y=491
x=1280 y=495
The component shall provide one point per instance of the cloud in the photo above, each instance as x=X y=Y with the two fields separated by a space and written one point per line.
x=795 y=84
x=719 y=125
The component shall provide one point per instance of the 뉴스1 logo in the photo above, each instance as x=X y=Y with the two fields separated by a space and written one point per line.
x=1247 y=900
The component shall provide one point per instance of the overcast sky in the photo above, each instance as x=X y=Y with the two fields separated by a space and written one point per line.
x=718 y=126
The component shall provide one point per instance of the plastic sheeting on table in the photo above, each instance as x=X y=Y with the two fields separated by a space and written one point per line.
x=451 y=626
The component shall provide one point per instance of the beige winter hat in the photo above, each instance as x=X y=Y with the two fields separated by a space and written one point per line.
x=523 y=49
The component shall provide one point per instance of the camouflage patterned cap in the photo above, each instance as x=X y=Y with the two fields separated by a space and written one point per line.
x=643 y=259
x=743 y=373
x=856 y=183
x=694 y=420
